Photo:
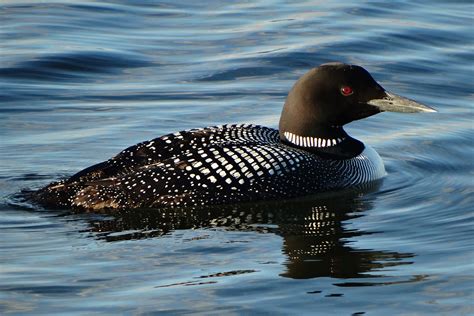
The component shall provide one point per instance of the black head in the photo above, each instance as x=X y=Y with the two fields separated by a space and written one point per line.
x=335 y=94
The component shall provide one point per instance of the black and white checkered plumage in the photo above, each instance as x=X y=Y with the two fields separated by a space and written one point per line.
x=309 y=153
x=215 y=165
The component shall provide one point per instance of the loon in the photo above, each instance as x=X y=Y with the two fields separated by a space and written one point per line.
x=309 y=153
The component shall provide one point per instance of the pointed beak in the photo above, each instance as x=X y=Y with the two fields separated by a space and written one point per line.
x=395 y=103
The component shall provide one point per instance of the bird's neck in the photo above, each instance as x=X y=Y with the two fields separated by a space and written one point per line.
x=326 y=141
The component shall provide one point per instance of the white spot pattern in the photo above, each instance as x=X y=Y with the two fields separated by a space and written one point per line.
x=214 y=165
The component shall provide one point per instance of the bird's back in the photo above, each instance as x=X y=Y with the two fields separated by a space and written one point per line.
x=214 y=165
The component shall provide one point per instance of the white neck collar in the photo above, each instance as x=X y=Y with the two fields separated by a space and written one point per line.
x=308 y=141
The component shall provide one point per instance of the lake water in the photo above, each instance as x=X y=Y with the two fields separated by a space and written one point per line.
x=81 y=80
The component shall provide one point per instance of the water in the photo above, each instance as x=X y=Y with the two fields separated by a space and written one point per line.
x=81 y=80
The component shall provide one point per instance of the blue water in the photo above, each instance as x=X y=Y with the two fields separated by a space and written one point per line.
x=82 y=80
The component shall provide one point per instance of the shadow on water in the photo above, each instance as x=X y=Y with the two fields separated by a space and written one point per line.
x=316 y=240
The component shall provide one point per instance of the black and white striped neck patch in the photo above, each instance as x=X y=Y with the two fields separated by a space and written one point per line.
x=308 y=141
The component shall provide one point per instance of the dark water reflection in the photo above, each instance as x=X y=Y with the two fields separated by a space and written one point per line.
x=314 y=238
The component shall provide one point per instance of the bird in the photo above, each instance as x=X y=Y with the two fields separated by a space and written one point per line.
x=309 y=153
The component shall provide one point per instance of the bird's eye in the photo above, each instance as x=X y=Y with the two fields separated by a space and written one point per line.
x=346 y=91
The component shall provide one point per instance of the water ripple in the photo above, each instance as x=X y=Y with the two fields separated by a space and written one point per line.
x=69 y=65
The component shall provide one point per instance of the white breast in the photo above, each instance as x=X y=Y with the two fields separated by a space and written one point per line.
x=368 y=166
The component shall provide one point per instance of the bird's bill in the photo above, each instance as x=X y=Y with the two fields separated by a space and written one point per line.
x=395 y=103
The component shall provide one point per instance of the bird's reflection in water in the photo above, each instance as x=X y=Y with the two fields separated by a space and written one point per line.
x=315 y=237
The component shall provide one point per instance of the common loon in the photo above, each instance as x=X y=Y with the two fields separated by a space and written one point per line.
x=309 y=153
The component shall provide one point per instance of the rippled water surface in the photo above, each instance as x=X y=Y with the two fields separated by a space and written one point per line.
x=81 y=80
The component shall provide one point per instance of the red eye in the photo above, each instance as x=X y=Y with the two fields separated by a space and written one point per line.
x=346 y=90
